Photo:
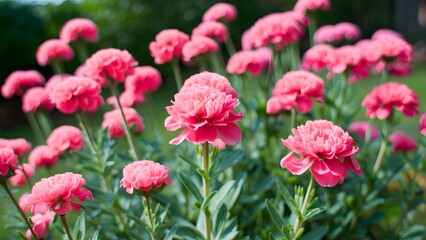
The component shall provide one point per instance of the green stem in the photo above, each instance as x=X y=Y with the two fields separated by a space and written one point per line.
x=230 y=46
x=35 y=127
x=148 y=214
x=83 y=124
x=299 y=221
x=312 y=28
x=81 y=50
x=293 y=118
x=67 y=229
x=45 y=131
x=383 y=76
x=57 y=67
x=30 y=185
x=206 y=186
x=203 y=66
x=383 y=146
x=177 y=73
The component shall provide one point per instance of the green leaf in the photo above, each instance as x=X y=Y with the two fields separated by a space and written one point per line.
x=203 y=173
x=220 y=221
x=315 y=234
x=287 y=229
x=22 y=235
x=189 y=161
x=191 y=186
x=415 y=231
x=228 y=161
x=137 y=220
x=277 y=218
x=312 y=212
x=135 y=236
x=220 y=196
x=80 y=228
x=189 y=233
x=172 y=233
x=235 y=191
x=286 y=195
x=206 y=201
x=95 y=236
x=163 y=213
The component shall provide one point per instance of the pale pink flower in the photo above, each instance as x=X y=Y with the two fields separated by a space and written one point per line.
x=386 y=33
x=79 y=29
x=18 y=81
x=210 y=79
x=422 y=124
x=219 y=144
x=8 y=160
x=53 y=50
x=144 y=79
x=246 y=43
x=35 y=98
x=215 y=30
x=296 y=89
x=144 y=176
x=41 y=223
x=19 y=179
x=43 y=155
x=385 y=97
x=317 y=57
x=311 y=5
x=20 y=146
x=220 y=12
x=197 y=46
x=337 y=33
x=65 y=138
x=401 y=142
x=343 y=58
x=77 y=93
x=80 y=71
x=323 y=148
x=361 y=127
x=57 y=193
x=114 y=122
x=22 y=202
x=54 y=80
x=110 y=62
x=252 y=61
x=168 y=45
x=127 y=99
x=399 y=69
x=390 y=48
x=348 y=30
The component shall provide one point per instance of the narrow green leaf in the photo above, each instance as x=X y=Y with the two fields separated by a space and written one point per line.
x=80 y=228
x=203 y=173
x=220 y=196
x=172 y=233
x=163 y=213
x=95 y=236
x=191 y=186
x=299 y=233
x=277 y=218
x=189 y=232
x=220 y=221
x=189 y=161
x=312 y=212
x=286 y=195
x=287 y=229
x=137 y=220
x=206 y=201
x=135 y=236
x=228 y=161
x=316 y=233
x=22 y=235
x=234 y=193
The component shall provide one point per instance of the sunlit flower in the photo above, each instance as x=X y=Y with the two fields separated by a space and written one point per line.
x=198 y=46
x=402 y=142
x=53 y=50
x=168 y=45
x=114 y=122
x=35 y=98
x=18 y=81
x=220 y=12
x=65 y=138
x=19 y=178
x=79 y=28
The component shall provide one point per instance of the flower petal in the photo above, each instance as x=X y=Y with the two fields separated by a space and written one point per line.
x=295 y=165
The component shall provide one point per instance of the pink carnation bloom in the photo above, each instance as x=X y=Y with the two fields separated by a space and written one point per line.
x=337 y=33
x=246 y=43
x=296 y=89
x=348 y=30
x=18 y=81
x=23 y=204
x=399 y=69
x=168 y=45
x=65 y=138
x=219 y=144
x=19 y=146
x=205 y=114
x=210 y=79
x=127 y=99
x=144 y=79
x=110 y=62
x=391 y=48
x=323 y=148
x=53 y=50
x=215 y=30
x=43 y=155
x=253 y=61
x=8 y=160
x=19 y=179
x=41 y=223
x=35 y=98
x=54 y=80
x=198 y=46
x=77 y=93
x=79 y=29
x=380 y=101
x=311 y=5
x=80 y=71
x=386 y=33
x=114 y=122
x=316 y=57
x=57 y=193
x=360 y=128
x=343 y=57
x=422 y=124
x=144 y=175
x=220 y=12
x=402 y=142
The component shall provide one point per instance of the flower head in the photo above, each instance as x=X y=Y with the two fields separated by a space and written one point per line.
x=210 y=79
x=127 y=99
x=43 y=155
x=168 y=45
x=215 y=30
x=197 y=46
x=252 y=61
x=22 y=202
x=54 y=80
x=144 y=176
x=220 y=12
x=391 y=48
x=399 y=69
x=360 y=128
x=41 y=223
x=66 y=138
x=53 y=50
x=19 y=179
x=337 y=33
x=35 y=98
x=8 y=160
x=19 y=146
x=323 y=148
x=114 y=122
x=311 y=5
x=144 y=79
x=422 y=124
x=386 y=33
x=401 y=142
x=317 y=57
x=79 y=28
x=17 y=81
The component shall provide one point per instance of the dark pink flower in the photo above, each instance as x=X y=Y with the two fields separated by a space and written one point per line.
x=35 y=98
x=311 y=5
x=400 y=141
x=77 y=93
x=18 y=81
x=54 y=80
x=220 y=12
x=114 y=122
x=253 y=61
x=213 y=80
x=41 y=223
x=168 y=45
x=79 y=29
x=43 y=155
x=65 y=138
x=19 y=146
x=385 y=97
x=317 y=57
x=57 y=193
x=144 y=175
x=399 y=69
x=19 y=179
x=360 y=128
x=296 y=89
x=127 y=99
x=215 y=30
x=386 y=33
x=23 y=204
x=323 y=148
x=144 y=79
x=198 y=46
x=422 y=124
x=53 y=50
x=8 y=160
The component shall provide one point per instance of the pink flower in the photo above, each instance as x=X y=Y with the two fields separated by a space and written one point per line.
x=399 y=69
x=56 y=193
x=19 y=146
x=253 y=61
x=205 y=114
x=296 y=89
x=35 y=98
x=246 y=43
x=210 y=79
x=8 y=160
x=383 y=98
x=19 y=180
x=77 y=93
x=18 y=81
x=360 y=128
x=402 y=142
x=386 y=33
x=53 y=50
x=80 y=71
x=220 y=12
x=168 y=45
x=215 y=30
x=311 y=5
x=54 y=80
x=23 y=204
x=79 y=29
x=219 y=144
x=144 y=79
x=344 y=57
x=317 y=57
x=127 y=99
x=337 y=33
x=110 y=62
x=422 y=124
x=198 y=46
x=348 y=30
x=144 y=175
x=390 y=48
x=324 y=148
x=43 y=155
x=114 y=122
x=41 y=223
x=65 y=138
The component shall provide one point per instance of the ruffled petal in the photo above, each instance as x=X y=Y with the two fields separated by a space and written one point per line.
x=295 y=165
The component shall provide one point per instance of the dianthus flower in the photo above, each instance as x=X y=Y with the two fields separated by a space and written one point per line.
x=110 y=62
x=337 y=33
x=360 y=128
x=205 y=114
x=77 y=93
x=114 y=122
x=402 y=142
x=246 y=43
x=253 y=61
x=386 y=33
x=43 y=155
x=54 y=80
x=296 y=89
x=41 y=223
x=19 y=146
x=215 y=30
x=317 y=57
x=53 y=50
x=383 y=98
x=399 y=69
x=18 y=81
x=80 y=71
x=144 y=176
x=220 y=12
x=127 y=99
x=22 y=202
x=350 y=59
x=35 y=98
x=19 y=179
x=311 y=5
x=323 y=148
x=198 y=46
x=8 y=160
x=144 y=79
x=57 y=193
x=168 y=45
x=65 y=138
x=422 y=124
x=391 y=48
x=79 y=29
x=210 y=79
